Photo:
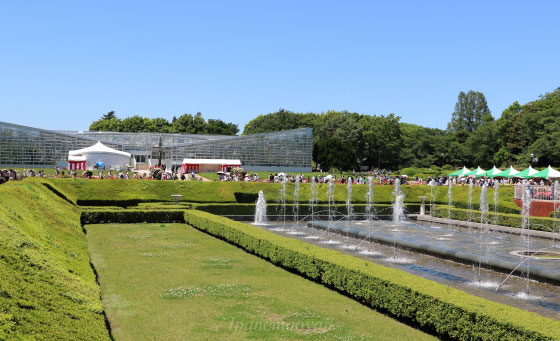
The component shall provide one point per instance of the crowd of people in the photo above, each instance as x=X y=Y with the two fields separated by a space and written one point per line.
x=380 y=177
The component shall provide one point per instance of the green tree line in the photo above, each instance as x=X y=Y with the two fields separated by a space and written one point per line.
x=473 y=138
x=184 y=124
x=347 y=141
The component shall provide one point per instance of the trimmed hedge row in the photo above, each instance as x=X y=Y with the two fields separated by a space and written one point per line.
x=131 y=216
x=511 y=220
x=447 y=311
x=303 y=210
x=119 y=203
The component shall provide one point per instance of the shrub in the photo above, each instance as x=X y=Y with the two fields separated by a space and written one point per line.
x=504 y=219
x=449 y=312
x=131 y=216
x=303 y=210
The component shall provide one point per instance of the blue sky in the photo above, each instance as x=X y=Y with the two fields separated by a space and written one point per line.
x=63 y=64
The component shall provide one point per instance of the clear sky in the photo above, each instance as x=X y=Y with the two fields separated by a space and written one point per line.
x=63 y=64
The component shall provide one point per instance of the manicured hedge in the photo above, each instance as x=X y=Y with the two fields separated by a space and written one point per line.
x=447 y=311
x=303 y=209
x=119 y=203
x=511 y=220
x=131 y=216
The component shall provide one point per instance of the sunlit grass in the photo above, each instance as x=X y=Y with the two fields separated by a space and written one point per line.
x=208 y=289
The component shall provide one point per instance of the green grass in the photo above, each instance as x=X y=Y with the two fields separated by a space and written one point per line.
x=47 y=287
x=224 y=192
x=171 y=281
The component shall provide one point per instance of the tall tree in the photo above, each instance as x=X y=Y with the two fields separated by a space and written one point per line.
x=381 y=140
x=109 y=116
x=471 y=111
x=219 y=127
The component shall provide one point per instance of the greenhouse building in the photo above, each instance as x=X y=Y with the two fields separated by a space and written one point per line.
x=282 y=151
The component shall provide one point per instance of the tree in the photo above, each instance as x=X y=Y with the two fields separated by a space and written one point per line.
x=219 y=127
x=335 y=152
x=189 y=124
x=381 y=140
x=109 y=116
x=471 y=110
x=132 y=124
x=280 y=120
x=113 y=124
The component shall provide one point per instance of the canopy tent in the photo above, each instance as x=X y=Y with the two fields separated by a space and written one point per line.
x=100 y=153
x=460 y=172
x=489 y=173
x=547 y=173
x=202 y=165
x=98 y=148
x=77 y=163
x=526 y=173
x=478 y=171
x=508 y=173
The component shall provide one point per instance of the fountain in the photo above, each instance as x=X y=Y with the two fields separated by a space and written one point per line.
x=331 y=210
x=471 y=184
x=484 y=220
x=296 y=201
x=448 y=254
x=525 y=224
x=496 y=201
x=369 y=200
x=433 y=195
x=314 y=197
x=349 y=207
x=449 y=197
x=283 y=198
x=260 y=211
x=556 y=197
x=398 y=202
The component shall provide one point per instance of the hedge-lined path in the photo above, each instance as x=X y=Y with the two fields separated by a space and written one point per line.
x=171 y=281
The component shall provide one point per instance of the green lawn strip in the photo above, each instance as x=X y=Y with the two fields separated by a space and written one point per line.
x=47 y=287
x=450 y=312
x=171 y=281
x=111 y=192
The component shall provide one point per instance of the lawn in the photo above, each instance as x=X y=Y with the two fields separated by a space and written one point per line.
x=224 y=192
x=171 y=281
x=47 y=287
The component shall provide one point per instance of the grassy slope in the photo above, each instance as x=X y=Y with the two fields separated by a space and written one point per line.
x=47 y=287
x=138 y=264
x=217 y=192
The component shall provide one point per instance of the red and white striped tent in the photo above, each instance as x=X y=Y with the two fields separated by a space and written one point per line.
x=209 y=165
x=77 y=163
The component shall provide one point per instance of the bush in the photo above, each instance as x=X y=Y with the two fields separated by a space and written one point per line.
x=131 y=216
x=119 y=203
x=303 y=210
x=448 y=312
x=504 y=219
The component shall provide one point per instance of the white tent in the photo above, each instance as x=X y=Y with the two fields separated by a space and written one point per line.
x=99 y=152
